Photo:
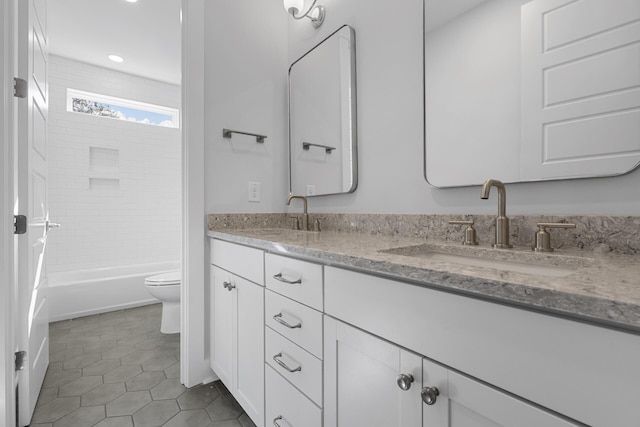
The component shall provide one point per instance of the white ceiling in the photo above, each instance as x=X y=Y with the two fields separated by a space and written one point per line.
x=146 y=34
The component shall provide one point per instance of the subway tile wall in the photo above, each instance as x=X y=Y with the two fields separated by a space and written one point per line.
x=125 y=209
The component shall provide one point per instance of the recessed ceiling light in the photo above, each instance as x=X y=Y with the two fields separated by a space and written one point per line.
x=116 y=58
x=132 y=1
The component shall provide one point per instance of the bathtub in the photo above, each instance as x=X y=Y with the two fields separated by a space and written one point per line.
x=85 y=292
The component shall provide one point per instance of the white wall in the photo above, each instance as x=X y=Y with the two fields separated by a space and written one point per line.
x=242 y=91
x=245 y=90
x=136 y=223
x=390 y=126
x=488 y=37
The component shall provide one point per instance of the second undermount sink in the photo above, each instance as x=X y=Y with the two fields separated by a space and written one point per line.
x=501 y=260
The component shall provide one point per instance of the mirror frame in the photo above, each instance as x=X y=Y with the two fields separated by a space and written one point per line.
x=353 y=152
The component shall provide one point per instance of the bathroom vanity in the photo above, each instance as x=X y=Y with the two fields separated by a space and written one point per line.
x=348 y=329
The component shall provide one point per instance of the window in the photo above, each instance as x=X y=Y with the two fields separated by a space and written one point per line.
x=121 y=109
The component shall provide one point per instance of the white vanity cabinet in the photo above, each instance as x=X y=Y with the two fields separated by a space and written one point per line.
x=293 y=342
x=319 y=345
x=237 y=323
x=584 y=372
x=372 y=382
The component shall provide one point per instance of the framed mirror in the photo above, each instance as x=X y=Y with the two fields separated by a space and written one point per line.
x=531 y=90
x=322 y=118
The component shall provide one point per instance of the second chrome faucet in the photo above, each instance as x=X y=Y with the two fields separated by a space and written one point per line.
x=305 y=215
x=502 y=222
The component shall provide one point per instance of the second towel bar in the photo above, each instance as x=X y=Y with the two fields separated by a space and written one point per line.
x=226 y=133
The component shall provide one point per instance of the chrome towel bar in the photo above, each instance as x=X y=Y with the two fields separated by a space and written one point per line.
x=306 y=145
x=226 y=133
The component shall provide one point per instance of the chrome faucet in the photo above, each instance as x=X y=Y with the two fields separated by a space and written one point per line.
x=502 y=222
x=305 y=215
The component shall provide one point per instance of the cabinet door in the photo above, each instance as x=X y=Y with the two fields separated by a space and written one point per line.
x=237 y=339
x=361 y=386
x=221 y=319
x=249 y=371
x=461 y=401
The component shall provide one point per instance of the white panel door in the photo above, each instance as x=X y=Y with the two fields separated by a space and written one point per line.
x=361 y=372
x=461 y=401
x=32 y=195
x=580 y=88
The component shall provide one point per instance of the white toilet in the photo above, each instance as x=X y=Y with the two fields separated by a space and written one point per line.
x=166 y=288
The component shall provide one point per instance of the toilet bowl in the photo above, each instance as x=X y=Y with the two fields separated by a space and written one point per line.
x=166 y=288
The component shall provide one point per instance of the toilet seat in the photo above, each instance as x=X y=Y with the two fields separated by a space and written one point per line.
x=164 y=279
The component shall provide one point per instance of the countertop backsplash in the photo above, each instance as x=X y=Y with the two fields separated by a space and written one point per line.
x=601 y=234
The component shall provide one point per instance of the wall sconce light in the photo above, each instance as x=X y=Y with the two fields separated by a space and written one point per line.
x=315 y=13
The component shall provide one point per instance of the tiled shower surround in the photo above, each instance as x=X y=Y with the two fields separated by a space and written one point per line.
x=114 y=185
x=618 y=234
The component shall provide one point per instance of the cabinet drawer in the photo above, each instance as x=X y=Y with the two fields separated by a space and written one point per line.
x=284 y=400
x=298 y=280
x=307 y=369
x=304 y=323
x=241 y=260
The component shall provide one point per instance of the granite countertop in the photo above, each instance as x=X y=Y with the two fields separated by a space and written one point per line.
x=599 y=288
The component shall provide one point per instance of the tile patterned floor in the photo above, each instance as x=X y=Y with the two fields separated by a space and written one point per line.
x=117 y=370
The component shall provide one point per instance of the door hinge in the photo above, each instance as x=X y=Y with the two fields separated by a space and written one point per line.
x=21 y=360
x=20 y=88
x=19 y=224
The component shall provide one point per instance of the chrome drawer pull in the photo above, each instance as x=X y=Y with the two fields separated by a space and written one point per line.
x=276 y=419
x=284 y=365
x=279 y=278
x=278 y=318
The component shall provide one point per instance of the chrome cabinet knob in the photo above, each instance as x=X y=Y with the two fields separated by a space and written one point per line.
x=430 y=395
x=404 y=381
x=228 y=286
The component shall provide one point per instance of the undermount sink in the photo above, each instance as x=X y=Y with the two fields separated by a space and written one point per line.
x=502 y=260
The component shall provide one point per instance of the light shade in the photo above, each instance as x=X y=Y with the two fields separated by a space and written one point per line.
x=297 y=5
x=315 y=13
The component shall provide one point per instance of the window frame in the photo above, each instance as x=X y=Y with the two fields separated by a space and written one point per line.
x=174 y=113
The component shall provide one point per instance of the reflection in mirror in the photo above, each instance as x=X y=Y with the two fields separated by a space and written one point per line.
x=322 y=118
x=531 y=90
